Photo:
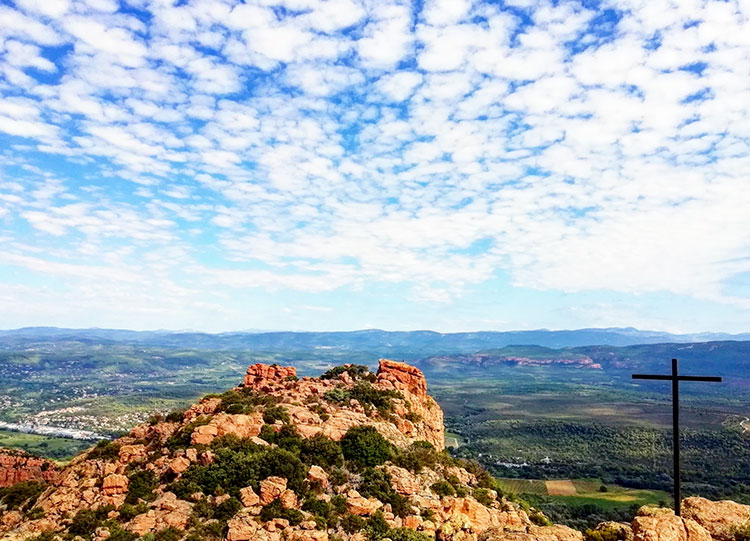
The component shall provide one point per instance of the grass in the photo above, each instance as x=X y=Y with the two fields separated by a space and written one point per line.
x=587 y=493
x=57 y=448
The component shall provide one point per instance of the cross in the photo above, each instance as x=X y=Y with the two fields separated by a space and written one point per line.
x=675 y=378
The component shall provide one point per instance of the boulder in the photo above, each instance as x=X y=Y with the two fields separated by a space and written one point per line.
x=317 y=475
x=271 y=488
x=262 y=376
x=718 y=518
x=248 y=497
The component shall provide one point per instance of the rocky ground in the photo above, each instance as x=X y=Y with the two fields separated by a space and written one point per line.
x=349 y=456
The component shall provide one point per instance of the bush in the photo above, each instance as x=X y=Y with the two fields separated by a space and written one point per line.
x=322 y=451
x=370 y=397
x=604 y=534
x=234 y=470
x=116 y=533
x=244 y=401
x=377 y=484
x=85 y=522
x=168 y=534
x=175 y=416
x=364 y=446
x=22 y=494
x=416 y=457
x=377 y=528
x=482 y=495
x=443 y=488
x=407 y=534
x=128 y=511
x=181 y=439
x=352 y=523
x=227 y=509
x=275 y=413
x=105 y=450
x=337 y=395
x=141 y=486
x=287 y=438
x=276 y=510
x=355 y=371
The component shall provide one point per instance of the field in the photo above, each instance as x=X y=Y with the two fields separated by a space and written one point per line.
x=60 y=449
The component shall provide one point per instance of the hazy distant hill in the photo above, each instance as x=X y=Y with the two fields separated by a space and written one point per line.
x=719 y=358
x=407 y=344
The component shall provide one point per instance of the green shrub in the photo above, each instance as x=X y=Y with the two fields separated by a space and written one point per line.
x=355 y=371
x=370 y=397
x=275 y=413
x=337 y=395
x=338 y=504
x=337 y=477
x=416 y=457
x=364 y=446
x=482 y=495
x=34 y=514
x=22 y=494
x=276 y=510
x=175 y=416
x=84 y=523
x=377 y=528
x=168 y=534
x=377 y=484
x=538 y=518
x=322 y=451
x=407 y=534
x=235 y=443
x=181 y=439
x=233 y=470
x=443 y=488
x=604 y=534
x=128 y=511
x=413 y=416
x=119 y=534
x=317 y=507
x=244 y=401
x=141 y=486
x=287 y=437
x=352 y=523
x=227 y=509
x=105 y=450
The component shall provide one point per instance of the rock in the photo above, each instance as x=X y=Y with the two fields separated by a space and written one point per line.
x=242 y=527
x=179 y=464
x=271 y=488
x=221 y=499
x=403 y=481
x=248 y=497
x=357 y=505
x=666 y=526
x=203 y=435
x=403 y=376
x=307 y=535
x=262 y=376
x=207 y=406
x=17 y=467
x=718 y=518
x=317 y=475
x=132 y=453
x=114 y=484
x=534 y=533
x=240 y=425
x=288 y=499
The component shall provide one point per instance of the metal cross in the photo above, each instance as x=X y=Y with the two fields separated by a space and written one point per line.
x=675 y=378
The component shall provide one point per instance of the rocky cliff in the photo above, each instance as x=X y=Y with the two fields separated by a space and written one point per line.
x=17 y=467
x=348 y=456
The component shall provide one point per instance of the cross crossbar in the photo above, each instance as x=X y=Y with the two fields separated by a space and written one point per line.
x=676 y=378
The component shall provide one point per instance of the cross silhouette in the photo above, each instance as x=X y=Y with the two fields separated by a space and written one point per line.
x=675 y=378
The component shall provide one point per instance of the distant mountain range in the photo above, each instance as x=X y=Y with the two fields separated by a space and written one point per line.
x=408 y=344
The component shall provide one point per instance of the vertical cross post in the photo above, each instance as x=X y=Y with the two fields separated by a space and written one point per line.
x=676 y=378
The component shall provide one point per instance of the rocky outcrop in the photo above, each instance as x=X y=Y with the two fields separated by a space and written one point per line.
x=718 y=518
x=261 y=376
x=17 y=467
x=402 y=376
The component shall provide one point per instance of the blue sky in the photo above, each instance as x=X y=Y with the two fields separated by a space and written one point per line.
x=343 y=164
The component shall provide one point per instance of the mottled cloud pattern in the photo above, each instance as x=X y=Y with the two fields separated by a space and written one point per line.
x=202 y=162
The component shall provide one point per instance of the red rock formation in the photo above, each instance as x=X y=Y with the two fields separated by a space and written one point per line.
x=261 y=376
x=17 y=467
x=403 y=376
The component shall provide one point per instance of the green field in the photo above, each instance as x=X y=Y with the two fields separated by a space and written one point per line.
x=60 y=449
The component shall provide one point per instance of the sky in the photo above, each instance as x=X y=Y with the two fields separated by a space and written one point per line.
x=331 y=165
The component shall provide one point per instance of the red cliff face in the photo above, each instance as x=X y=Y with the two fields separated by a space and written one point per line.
x=16 y=467
x=260 y=376
x=403 y=376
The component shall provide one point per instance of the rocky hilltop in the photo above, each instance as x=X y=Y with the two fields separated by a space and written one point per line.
x=348 y=456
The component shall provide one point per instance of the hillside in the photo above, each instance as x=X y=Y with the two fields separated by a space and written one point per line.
x=278 y=457
x=348 y=456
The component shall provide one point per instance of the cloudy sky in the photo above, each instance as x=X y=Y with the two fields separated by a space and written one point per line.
x=342 y=164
